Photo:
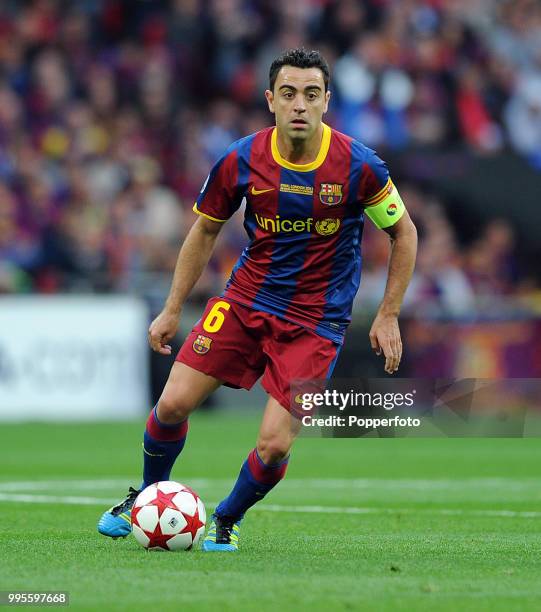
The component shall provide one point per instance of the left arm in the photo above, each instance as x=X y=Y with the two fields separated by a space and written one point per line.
x=385 y=333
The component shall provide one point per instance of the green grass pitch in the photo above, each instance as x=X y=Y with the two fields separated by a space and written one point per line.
x=374 y=524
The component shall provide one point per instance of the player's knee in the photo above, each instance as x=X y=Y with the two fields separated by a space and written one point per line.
x=174 y=408
x=273 y=450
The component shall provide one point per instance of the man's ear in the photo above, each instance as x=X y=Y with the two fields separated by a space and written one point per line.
x=327 y=98
x=270 y=99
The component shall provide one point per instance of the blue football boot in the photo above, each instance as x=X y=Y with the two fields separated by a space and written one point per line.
x=223 y=535
x=116 y=522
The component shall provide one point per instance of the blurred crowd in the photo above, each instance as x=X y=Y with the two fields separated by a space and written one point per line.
x=464 y=281
x=113 y=111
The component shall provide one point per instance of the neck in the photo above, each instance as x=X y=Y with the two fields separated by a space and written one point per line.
x=299 y=151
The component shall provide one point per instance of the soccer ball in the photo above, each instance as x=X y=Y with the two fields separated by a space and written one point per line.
x=168 y=516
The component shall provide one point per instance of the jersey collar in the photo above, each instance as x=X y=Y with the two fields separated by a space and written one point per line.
x=323 y=150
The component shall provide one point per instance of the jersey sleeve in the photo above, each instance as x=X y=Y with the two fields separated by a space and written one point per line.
x=378 y=195
x=219 y=197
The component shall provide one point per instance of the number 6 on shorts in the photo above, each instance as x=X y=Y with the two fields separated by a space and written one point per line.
x=215 y=318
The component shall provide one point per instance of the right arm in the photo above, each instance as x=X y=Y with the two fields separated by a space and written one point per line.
x=192 y=259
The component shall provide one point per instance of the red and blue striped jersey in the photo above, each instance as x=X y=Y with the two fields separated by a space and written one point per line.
x=304 y=222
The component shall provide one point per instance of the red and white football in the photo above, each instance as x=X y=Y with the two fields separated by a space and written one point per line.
x=168 y=516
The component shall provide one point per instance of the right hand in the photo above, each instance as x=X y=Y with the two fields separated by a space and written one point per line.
x=162 y=330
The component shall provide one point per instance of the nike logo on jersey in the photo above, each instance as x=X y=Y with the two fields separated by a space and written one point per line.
x=260 y=191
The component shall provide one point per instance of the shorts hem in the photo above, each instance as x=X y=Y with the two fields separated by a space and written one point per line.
x=237 y=383
x=273 y=394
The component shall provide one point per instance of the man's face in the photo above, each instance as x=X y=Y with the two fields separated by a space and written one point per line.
x=299 y=101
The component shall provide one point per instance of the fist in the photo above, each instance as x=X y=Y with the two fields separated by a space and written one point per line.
x=161 y=330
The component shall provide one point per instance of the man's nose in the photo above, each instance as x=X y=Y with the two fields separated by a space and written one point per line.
x=299 y=105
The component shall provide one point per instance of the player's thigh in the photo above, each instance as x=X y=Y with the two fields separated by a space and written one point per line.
x=226 y=344
x=297 y=354
x=277 y=432
x=185 y=389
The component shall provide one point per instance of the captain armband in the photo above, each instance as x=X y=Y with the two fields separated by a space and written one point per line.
x=386 y=207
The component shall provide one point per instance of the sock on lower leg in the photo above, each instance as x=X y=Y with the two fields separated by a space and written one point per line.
x=162 y=444
x=255 y=480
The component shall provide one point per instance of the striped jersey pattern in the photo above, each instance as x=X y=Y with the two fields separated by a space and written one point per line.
x=304 y=223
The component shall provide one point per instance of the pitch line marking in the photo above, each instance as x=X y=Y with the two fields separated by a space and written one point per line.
x=335 y=483
x=97 y=501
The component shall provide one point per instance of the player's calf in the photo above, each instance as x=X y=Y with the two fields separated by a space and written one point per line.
x=272 y=450
x=162 y=444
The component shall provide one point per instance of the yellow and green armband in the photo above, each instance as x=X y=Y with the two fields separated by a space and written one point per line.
x=386 y=207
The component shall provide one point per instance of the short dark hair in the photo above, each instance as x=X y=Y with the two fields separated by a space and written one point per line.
x=299 y=58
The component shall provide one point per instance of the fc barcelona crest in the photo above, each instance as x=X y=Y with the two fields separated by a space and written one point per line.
x=202 y=344
x=330 y=194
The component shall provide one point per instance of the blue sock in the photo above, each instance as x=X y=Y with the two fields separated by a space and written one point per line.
x=162 y=444
x=255 y=480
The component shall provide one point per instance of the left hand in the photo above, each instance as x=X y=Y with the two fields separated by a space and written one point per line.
x=385 y=336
